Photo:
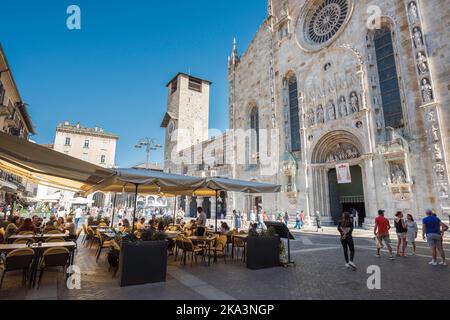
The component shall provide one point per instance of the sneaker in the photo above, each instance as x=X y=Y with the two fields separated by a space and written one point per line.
x=351 y=264
x=443 y=263
x=378 y=255
x=391 y=258
x=432 y=262
x=347 y=266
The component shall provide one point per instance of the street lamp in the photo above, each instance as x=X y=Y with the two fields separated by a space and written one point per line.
x=149 y=145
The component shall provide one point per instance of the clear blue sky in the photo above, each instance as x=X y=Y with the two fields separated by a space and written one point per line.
x=113 y=72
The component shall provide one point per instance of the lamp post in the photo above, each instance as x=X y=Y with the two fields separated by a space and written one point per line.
x=150 y=145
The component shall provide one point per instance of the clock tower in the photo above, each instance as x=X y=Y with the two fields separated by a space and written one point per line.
x=186 y=119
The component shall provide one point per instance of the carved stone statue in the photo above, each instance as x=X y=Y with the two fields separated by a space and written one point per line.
x=342 y=152
x=440 y=170
x=320 y=115
x=354 y=102
x=413 y=13
x=343 y=107
x=422 y=63
x=311 y=118
x=435 y=133
x=427 y=91
x=417 y=37
x=331 y=111
x=398 y=175
x=437 y=153
x=379 y=125
x=431 y=116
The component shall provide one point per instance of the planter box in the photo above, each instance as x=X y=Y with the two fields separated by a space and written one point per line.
x=263 y=252
x=142 y=263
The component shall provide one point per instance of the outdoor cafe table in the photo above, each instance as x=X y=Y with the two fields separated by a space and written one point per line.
x=172 y=234
x=38 y=251
x=207 y=241
x=37 y=236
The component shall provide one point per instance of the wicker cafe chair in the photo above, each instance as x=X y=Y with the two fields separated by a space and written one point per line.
x=26 y=233
x=2 y=235
x=102 y=244
x=54 y=232
x=20 y=259
x=55 y=240
x=178 y=246
x=220 y=247
x=54 y=257
x=190 y=249
x=90 y=237
x=102 y=224
x=85 y=233
x=239 y=246
x=23 y=241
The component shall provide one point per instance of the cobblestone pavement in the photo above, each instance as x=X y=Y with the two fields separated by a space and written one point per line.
x=319 y=273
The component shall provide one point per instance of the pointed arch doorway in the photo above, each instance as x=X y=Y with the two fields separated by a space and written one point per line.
x=330 y=198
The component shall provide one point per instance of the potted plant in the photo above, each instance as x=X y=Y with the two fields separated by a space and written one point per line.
x=263 y=249
x=143 y=258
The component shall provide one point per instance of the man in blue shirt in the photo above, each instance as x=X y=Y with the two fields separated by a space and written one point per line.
x=433 y=230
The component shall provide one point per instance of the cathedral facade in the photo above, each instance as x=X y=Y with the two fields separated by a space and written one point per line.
x=359 y=88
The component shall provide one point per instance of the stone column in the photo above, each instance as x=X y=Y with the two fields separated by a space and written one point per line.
x=430 y=106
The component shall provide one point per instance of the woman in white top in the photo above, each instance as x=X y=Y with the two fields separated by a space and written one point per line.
x=411 y=234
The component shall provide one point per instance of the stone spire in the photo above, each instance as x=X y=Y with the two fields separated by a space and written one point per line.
x=234 y=59
x=269 y=8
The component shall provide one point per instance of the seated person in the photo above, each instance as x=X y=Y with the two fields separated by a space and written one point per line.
x=161 y=227
x=12 y=227
x=49 y=226
x=71 y=228
x=60 y=224
x=224 y=228
x=27 y=226
x=126 y=226
x=141 y=224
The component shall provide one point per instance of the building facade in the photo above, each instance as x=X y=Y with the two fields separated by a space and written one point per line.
x=92 y=145
x=14 y=120
x=359 y=85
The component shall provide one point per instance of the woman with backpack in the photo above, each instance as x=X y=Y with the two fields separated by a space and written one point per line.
x=345 y=229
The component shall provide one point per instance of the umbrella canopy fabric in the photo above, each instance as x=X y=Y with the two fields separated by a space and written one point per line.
x=224 y=184
x=48 y=167
x=149 y=182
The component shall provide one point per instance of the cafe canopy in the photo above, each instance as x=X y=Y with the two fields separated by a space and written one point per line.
x=48 y=167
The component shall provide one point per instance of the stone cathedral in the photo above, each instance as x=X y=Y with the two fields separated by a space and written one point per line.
x=360 y=83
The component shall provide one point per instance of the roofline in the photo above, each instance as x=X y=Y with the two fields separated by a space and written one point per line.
x=26 y=116
x=187 y=75
x=88 y=133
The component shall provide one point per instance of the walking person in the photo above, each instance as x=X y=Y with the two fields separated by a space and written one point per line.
x=302 y=219
x=78 y=215
x=345 y=228
x=297 y=221
x=318 y=222
x=286 y=219
x=401 y=229
x=433 y=230
x=411 y=234
x=381 y=231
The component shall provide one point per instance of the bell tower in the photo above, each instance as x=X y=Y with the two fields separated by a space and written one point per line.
x=187 y=116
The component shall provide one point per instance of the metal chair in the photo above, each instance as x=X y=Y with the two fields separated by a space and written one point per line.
x=178 y=246
x=55 y=239
x=189 y=247
x=220 y=247
x=102 y=244
x=23 y=241
x=26 y=233
x=20 y=259
x=54 y=232
x=54 y=257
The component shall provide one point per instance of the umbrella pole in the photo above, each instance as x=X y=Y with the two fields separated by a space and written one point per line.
x=113 y=209
x=135 y=205
x=175 y=212
x=217 y=208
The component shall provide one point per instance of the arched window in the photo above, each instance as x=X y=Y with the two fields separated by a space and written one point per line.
x=387 y=72
x=294 y=116
x=254 y=126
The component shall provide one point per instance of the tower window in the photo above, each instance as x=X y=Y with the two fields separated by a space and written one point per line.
x=67 y=142
x=387 y=72
x=195 y=84
x=103 y=159
x=174 y=86
x=86 y=144
x=2 y=93
x=254 y=125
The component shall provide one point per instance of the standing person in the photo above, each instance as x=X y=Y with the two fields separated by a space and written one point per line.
x=381 y=232
x=401 y=229
x=318 y=222
x=252 y=216
x=345 y=228
x=260 y=220
x=433 y=231
x=265 y=216
x=412 y=230
x=273 y=217
x=78 y=215
x=236 y=220
x=297 y=221
x=302 y=219
x=286 y=219
x=201 y=222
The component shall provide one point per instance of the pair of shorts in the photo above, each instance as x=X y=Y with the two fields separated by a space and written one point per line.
x=386 y=238
x=434 y=239
x=401 y=235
